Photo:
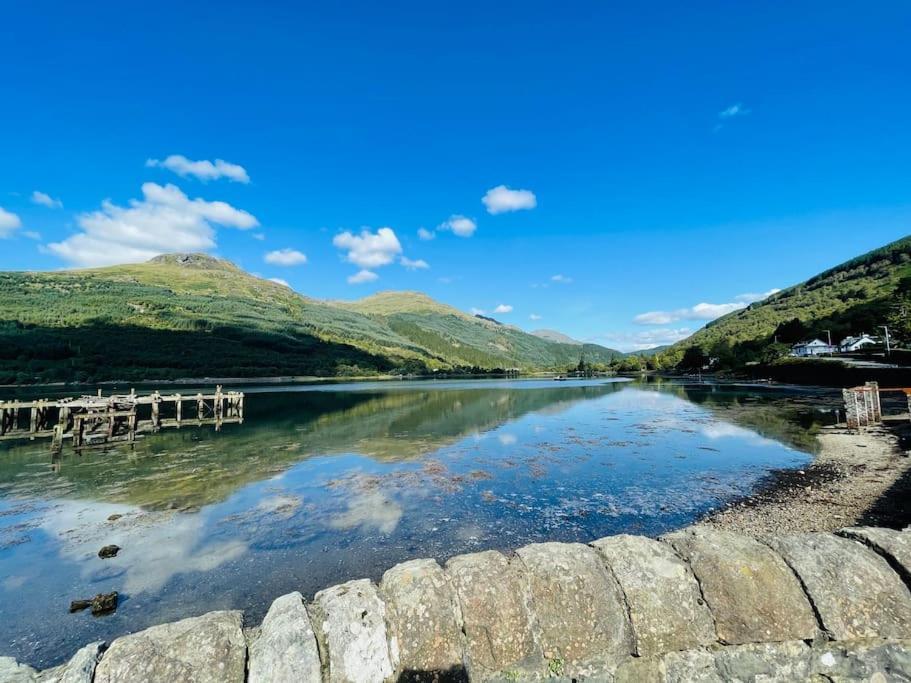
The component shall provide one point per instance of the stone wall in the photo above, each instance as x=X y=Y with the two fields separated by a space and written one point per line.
x=697 y=604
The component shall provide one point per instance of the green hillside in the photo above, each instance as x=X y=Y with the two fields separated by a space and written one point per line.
x=196 y=316
x=857 y=296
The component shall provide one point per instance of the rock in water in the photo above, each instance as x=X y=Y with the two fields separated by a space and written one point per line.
x=108 y=551
x=104 y=603
x=79 y=605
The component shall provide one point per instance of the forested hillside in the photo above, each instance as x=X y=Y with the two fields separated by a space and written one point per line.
x=195 y=316
x=860 y=295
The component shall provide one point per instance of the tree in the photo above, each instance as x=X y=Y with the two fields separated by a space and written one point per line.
x=773 y=352
x=694 y=358
x=790 y=332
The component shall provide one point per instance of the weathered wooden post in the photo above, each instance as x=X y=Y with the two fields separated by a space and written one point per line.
x=156 y=411
x=852 y=409
x=876 y=406
x=179 y=405
x=200 y=407
x=77 y=431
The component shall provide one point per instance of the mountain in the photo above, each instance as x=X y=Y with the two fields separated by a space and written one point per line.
x=191 y=315
x=554 y=336
x=655 y=350
x=856 y=296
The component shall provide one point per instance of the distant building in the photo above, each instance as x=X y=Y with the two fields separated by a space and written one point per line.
x=854 y=343
x=814 y=347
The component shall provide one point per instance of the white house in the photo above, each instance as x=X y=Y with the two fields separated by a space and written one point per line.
x=854 y=343
x=814 y=347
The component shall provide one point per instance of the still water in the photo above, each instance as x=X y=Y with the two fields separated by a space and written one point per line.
x=322 y=484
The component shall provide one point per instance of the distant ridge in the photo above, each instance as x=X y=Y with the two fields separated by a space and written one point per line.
x=554 y=336
x=192 y=315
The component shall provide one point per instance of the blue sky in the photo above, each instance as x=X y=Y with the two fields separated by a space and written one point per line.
x=670 y=156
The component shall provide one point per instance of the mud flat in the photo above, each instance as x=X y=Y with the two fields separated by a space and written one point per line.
x=857 y=478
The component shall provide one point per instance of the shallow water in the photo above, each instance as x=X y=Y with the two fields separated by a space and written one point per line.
x=322 y=484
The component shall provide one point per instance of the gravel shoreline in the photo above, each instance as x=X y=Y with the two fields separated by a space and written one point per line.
x=856 y=479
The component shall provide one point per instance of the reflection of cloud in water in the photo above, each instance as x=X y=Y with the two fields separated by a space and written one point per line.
x=369 y=511
x=282 y=506
x=156 y=546
x=11 y=583
x=725 y=430
x=507 y=439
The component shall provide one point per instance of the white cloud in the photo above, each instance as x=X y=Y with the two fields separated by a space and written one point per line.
x=501 y=199
x=478 y=311
x=503 y=308
x=459 y=225
x=369 y=249
x=285 y=257
x=165 y=220
x=258 y=236
x=8 y=222
x=701 y=311
x=425 y=234
x=641 y=341
x=562 y=279
x=418 y=264
x=361 y=277
x=751 y=297
x=203 y=169
x=734 y=110
x=279 y=281
x=534 y=316
x=46 y=200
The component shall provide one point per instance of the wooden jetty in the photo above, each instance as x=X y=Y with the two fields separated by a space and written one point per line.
x=95 y=420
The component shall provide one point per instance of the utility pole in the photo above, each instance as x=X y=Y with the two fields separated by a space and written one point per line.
x=829 y=333
x=886 y=328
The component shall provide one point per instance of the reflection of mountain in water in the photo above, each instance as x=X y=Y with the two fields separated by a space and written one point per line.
x=195 y=467
x=788 y=417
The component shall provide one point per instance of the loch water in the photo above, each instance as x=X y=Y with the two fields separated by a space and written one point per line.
x=326 y=483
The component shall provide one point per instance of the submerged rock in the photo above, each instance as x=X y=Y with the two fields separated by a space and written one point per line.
x=108 y=551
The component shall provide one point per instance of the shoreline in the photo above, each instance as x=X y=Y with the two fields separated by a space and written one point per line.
x=856 y=479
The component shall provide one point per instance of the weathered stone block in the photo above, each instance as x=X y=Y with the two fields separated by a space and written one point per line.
x=425 y=623
x=206 y=649
x=350 y=621
x=855 y=592
x=895 y=545
x=861 y=660
x=665 y=604
x=752 y=594
x=12 y=671
x=578 y=604
x=767 y=662
x=285 y=649
x=689 y=666
x=500 y=629
x=80 y=668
